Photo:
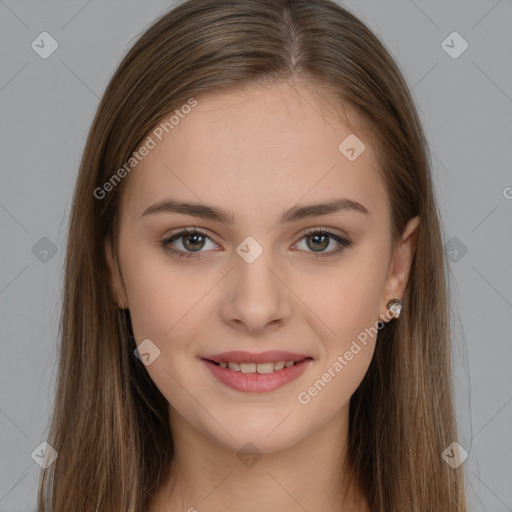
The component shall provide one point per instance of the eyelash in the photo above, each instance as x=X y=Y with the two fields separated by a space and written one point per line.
x=342 y=242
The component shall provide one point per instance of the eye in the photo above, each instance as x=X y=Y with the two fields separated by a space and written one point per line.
x=319 y=239
x=193 y=241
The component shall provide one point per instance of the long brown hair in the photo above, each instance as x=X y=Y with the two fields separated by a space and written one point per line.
x=110 y=423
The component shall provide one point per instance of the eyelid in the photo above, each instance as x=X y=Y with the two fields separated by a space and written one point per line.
x=188 y=230
x=326 y=229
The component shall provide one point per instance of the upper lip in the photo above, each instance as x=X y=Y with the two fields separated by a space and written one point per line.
x=240 y=356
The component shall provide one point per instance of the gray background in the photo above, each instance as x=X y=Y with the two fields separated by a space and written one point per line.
x=465 y=104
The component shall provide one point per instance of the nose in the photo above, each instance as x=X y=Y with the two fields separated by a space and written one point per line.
x=256 y=297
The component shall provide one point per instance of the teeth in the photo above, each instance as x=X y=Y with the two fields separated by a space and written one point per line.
x=265 y=367
x=256 y=367
x=247 y=367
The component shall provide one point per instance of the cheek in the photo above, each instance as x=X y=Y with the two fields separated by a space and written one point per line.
x=165 y=305
x=346 y=300
x=152 y=305
x=349 y=307
x=159 y=295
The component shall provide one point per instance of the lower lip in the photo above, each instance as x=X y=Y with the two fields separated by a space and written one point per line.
x=257 y=382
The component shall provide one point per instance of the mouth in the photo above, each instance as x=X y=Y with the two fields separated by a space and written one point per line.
x=257 y=373
x=261 y=368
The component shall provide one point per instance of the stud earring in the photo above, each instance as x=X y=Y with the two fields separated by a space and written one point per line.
x=395 y=305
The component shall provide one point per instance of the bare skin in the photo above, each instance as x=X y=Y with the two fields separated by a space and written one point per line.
x=256 y=154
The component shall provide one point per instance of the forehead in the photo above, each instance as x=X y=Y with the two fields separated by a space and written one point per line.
x=268 y=146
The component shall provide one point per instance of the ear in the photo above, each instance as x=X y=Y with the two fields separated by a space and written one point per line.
x=400 y=266
x=116 y=282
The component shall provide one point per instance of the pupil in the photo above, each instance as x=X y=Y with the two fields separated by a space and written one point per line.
x=194 y=242
x=321 y=239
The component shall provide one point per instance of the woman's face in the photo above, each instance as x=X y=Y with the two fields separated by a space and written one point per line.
x=254 y=281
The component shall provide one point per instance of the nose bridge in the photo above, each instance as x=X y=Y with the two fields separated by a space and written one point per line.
x=256 y=295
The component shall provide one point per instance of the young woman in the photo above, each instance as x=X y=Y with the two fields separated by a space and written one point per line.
x=255 y=311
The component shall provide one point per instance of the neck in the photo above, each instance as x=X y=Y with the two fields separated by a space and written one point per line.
x=306 y=476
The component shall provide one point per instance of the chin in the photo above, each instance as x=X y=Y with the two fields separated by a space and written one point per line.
x=250 y=433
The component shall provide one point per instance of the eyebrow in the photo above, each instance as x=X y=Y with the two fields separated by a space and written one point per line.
x=295 y=213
